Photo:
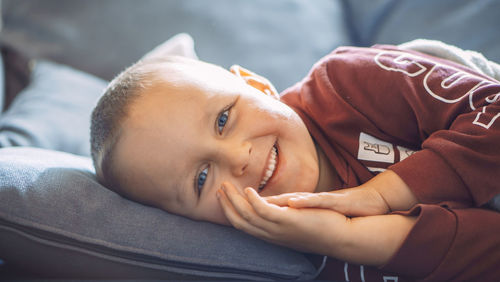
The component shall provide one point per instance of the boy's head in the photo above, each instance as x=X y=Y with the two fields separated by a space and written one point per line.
x=168 y=132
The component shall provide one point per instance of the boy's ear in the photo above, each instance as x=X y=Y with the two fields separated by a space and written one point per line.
x=255 y=80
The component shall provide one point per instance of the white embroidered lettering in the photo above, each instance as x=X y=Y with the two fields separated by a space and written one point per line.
x=410 y=65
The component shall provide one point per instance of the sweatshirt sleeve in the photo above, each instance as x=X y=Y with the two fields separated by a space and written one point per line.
x=448 y=113
x=460 y=163
x=460 y=152
x=450 y=244
x=447 y=116
x=450 y=116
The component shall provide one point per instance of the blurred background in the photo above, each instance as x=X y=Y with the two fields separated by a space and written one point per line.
x=279 y=39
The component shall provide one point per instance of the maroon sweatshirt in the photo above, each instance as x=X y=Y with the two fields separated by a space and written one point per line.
x=433 y=122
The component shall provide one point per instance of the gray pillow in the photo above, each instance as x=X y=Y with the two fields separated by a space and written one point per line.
x=53 y=112
x=57 y=221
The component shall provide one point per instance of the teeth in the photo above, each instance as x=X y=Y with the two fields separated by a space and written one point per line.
x=271 y=166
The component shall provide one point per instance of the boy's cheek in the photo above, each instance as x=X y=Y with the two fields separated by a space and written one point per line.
x=220 y=217
x=214 y=213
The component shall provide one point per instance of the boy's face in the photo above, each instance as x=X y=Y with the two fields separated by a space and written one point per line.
x=200 y=125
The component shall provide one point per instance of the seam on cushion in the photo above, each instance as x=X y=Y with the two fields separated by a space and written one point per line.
x=182 y=269
x=116 y=247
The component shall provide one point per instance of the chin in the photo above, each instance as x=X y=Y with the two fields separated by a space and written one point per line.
x=306 y=185
x=309 y=187
x=311 y=183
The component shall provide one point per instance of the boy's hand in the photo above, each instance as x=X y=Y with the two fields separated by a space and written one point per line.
x=357 y=201
x=384 y=193
x=308 y=230
x=371 y=240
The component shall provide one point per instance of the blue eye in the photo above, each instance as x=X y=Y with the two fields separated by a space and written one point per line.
x=202 y=177
x=222 y=120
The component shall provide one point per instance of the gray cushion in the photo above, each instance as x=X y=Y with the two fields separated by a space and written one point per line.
x=57 y=221
x=53 y=112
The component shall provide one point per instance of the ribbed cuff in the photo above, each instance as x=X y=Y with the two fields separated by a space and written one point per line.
x=427 y=243
x=431 y=179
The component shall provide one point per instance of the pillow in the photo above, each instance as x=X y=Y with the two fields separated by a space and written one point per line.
x=53 y=112
x=57 y=221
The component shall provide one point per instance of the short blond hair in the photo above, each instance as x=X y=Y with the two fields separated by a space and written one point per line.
x=112 y=109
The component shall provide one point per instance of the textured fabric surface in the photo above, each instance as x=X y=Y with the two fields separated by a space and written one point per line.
x=53 y=112
x=409 y=124
x=278 y=39
x=54 y=198
x=471 y=59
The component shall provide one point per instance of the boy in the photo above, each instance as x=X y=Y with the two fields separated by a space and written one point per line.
x=408 y=143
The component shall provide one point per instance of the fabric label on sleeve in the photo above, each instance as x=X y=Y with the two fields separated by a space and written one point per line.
x=373 y=149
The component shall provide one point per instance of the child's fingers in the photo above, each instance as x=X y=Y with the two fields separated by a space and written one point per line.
x=243 y=208
x=265 y=210
x=352 y=202
x=227 y=207
x=237 y=220
x=326 y=200
x=282 y=199
x=318 y=200
x=238 y=202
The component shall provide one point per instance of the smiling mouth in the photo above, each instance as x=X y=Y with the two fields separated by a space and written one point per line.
x=271 y=165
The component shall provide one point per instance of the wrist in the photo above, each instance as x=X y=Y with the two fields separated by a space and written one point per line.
x=396 y=194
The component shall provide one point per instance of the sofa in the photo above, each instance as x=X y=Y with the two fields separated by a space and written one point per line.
x=57 y=221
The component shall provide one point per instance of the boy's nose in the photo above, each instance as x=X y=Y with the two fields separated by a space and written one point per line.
x=238 y=158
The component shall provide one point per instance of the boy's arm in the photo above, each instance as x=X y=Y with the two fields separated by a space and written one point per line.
x=448 y=114
x=375 y=239
x=429 y=241
x=384 y=193
x=366 y=240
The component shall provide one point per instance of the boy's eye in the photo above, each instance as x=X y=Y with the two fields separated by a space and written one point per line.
x=202 y=177
x=222 y=120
